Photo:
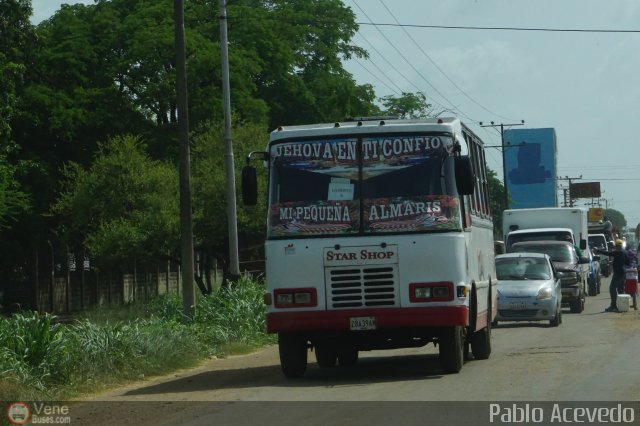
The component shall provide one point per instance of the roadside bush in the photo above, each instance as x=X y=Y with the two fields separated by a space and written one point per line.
x=32 y=349
x=234 y=314
x=40 y=358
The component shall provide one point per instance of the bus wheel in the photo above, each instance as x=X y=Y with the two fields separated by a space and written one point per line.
x=451 y=343
x=466 y=354
x=293 y=354
x=481 y=342
x=326 y=355
x=347 y=357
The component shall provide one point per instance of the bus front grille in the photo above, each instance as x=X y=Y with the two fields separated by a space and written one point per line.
x=362 y=286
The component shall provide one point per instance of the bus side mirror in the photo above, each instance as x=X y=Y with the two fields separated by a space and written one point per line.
x=465 y=180
x=583 y=244
x=249 y=186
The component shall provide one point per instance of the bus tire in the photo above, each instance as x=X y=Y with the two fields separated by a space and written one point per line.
x=347 y=357
x=451 y=348
x=293 y=354
x=326 y=355
x=481 y=339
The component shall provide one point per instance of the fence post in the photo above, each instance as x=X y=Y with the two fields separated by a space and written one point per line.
x=168 y=275
x=135 y=281
x=53 y=276
x=81 y=281
x=68 y=279
x=146 y=283
x=178 y=278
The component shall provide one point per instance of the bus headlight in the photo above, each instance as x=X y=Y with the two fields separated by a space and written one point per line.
x=295 y=297
x=422 y=292
x=440 y=291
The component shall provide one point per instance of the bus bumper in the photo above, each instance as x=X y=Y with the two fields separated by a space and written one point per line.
x=384 y=318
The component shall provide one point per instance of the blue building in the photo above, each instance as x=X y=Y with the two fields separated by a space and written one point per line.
x=531 y=167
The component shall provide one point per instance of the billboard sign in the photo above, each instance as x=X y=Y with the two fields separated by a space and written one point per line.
x=585 y=190
x=530 y=162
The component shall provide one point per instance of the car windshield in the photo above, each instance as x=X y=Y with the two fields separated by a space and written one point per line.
x=598 y=241
x=539 y=236
x=382 y=184
x=522 y=268
x=557 y=252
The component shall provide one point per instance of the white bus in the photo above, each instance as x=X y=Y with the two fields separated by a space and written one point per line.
x=379 y=236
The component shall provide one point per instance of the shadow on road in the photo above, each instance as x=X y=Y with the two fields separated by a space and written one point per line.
x=368 y=370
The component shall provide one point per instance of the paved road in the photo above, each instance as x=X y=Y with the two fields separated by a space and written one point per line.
x=592 y=356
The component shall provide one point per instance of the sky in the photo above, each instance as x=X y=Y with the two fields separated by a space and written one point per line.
x=584 y=84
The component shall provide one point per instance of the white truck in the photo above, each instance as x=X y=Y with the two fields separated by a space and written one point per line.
x=550 y=224
x=547 y=223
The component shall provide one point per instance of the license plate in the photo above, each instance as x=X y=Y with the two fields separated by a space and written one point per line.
x=518 y=305
x=363 y=323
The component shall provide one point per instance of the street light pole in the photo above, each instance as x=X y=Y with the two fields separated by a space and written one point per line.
x=504 y=154
x=232 y=215
x=186 y=220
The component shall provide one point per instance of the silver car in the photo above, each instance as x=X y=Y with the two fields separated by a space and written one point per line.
x=528 y=288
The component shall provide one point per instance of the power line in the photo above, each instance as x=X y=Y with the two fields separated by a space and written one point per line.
x=395 y=69
x=397 y=92
x=404 y=57
x=412 y=66
x=437 y=67
x=463 y=27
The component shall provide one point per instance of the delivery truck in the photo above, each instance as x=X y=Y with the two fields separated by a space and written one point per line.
x=548 y=223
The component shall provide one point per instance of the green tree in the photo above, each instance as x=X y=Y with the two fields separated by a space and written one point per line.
x=209 y=190
x=124 y=207
x=617 y=219
x=13 y=202
x=16 y=33
x=95 y=72
x=407 y=105
x=496 y=201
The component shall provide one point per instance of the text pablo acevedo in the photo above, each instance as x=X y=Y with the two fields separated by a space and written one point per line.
x=532 y=413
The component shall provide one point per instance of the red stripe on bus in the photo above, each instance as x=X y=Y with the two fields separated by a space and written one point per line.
x=385 y=318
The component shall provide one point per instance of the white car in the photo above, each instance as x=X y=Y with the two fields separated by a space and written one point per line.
x=528 y=288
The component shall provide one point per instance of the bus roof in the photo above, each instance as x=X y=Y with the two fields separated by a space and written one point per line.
x=365 y=126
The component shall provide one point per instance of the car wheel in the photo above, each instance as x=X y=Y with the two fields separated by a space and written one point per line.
x=555 y=321
x=576 y=305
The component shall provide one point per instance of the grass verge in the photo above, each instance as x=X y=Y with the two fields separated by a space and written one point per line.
x=42 y=359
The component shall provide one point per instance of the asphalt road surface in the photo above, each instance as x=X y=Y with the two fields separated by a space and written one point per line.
x=591 y=357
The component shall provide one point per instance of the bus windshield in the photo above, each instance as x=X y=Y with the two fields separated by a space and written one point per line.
x=362 y=186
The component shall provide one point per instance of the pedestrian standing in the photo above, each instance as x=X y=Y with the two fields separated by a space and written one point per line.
x=631 y=283
x=618 y=279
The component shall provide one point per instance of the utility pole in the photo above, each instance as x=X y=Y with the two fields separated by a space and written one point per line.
x=504 y=154
x=186 y=225
x=232 y=215
x=568 y=190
